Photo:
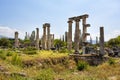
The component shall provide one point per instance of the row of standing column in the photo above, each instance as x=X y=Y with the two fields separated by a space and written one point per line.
x=77 y=31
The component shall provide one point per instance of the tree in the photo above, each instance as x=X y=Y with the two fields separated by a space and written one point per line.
x=114 y=41
x=58 y=42
x=5 y=42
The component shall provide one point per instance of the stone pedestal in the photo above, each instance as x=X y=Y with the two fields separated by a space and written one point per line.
x=16 y=40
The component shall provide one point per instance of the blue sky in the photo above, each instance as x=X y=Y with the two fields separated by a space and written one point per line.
x=25 y=15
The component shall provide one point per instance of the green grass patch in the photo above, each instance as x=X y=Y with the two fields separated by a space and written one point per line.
x=16 y=60
x=82 y=65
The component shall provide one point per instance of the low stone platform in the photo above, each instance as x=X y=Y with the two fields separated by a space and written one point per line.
x=92 y=59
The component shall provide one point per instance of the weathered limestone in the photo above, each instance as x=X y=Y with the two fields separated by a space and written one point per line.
x=85 y=34
x=37 y=38
x=46 y=39
x=44 y=45
x=77 y=37
x=16 y=40
x=48 y=36
x=96 y=40
x=91 y=40
x=66 y=36
x=70 y=34
x=101 y=41
x=52 y=40
x=32 y=38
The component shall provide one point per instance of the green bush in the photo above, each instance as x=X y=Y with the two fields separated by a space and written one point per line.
x=63 y=50
x=111 y=61
x=16 y=60
x=9 y=53
x=45 y=74
x=82 y=65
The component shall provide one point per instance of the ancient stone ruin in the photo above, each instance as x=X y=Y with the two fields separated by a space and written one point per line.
x=16 y=40
x=47 y=38
x=78 y=32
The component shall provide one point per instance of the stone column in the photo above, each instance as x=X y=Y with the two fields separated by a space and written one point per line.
x=80 y=41
x=16 y=40
x=37 y=38
x=66 y=36
x=44 y=37
x=77 y=37
x=70 y=34
x=63 y=38
x=96 y=40
x=101 y=41
x=52 y=40
x=84 y=35
x=91 y=40
x=48 y=36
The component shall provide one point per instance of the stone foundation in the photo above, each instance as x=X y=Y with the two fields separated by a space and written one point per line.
x=92 y=59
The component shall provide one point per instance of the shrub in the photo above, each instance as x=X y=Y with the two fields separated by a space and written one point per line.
x=9 y=53
x=63 y=50
x=111 y=61
x=16 y=60
x=82 y=65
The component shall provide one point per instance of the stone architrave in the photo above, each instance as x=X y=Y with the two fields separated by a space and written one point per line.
x=37 y=38
x=101 y=41
x=77 y=37
x=16 y=40
x=70 y=34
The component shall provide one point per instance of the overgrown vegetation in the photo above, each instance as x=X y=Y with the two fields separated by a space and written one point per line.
x=56 y=66
x=16 y=60
x=111 y=61
x=82 y=65
x=114 y=42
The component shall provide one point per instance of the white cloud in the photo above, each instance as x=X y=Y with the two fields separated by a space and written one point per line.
x=9 y=32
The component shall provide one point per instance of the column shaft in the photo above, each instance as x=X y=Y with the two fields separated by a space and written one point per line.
x=101 y=41
x=16 y=40
x=44 y=37
x=37 y=38
x=48 y=37
x=69 y=35
x=77 y=37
